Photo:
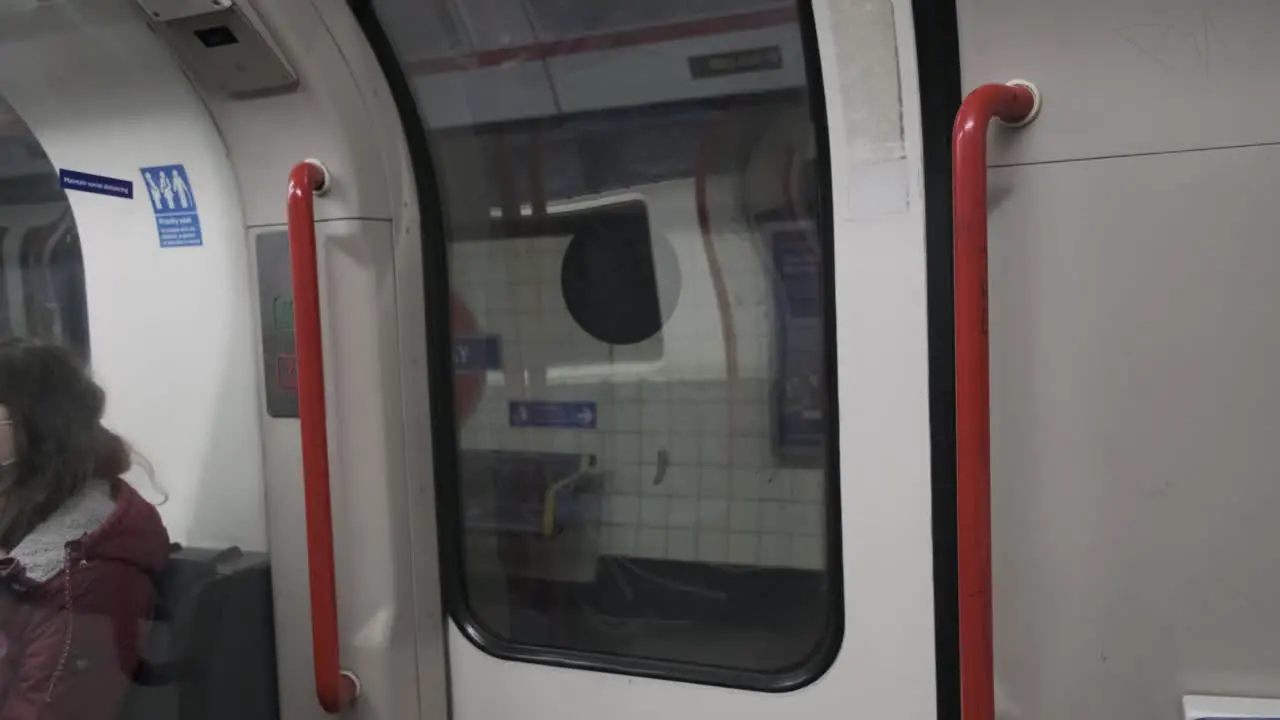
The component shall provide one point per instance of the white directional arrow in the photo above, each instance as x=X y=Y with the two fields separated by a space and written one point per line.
x=586 y=416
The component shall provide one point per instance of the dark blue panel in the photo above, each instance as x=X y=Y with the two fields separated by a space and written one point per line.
x=477 y=354
x=96 y=184
x=541 y=414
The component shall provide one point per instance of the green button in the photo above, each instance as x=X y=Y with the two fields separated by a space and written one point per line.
x=282 y=313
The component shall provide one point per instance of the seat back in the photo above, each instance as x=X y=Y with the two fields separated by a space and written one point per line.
x=210 y=654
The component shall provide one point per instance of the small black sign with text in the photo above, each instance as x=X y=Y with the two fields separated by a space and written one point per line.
x=735 y=62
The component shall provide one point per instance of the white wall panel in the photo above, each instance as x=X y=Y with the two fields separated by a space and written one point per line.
x=1122 y=77
x=171 y=328
x=1134 y=405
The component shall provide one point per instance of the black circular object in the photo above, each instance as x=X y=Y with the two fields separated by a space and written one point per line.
x=620 y=284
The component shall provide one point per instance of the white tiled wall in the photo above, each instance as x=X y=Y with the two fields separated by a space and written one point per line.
x=723 y=497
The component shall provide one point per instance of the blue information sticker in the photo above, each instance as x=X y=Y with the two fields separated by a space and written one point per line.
x=96 y=184
x=477 y=354
x=545 y=414
x=174 y=204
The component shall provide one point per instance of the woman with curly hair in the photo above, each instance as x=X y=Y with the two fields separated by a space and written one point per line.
x=81 y=549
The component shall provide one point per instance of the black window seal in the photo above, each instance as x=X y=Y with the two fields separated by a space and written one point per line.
x=938 y=67
x=444 y=440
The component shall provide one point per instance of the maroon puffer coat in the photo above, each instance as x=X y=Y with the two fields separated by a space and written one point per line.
x=75 y=599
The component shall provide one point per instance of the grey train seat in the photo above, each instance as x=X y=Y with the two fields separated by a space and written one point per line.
x=210 y=654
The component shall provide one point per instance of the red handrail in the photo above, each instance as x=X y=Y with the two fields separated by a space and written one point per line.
x=335 y=688
x=1016 y=104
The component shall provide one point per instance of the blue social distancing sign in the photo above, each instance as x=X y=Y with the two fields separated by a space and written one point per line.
x=96 y=184
x=174 y=203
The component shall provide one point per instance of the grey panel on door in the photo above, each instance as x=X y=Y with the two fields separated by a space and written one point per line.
x=1135 y=343
x=275 y=308
x=1123 y=77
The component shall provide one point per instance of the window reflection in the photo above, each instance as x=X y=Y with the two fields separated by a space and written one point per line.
x=42 y=287
x=636 y=271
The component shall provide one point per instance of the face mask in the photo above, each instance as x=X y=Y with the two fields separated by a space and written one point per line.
x=7 y=454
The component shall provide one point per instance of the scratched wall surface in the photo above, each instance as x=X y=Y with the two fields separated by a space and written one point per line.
x=1134 y=350
x=1123 y=77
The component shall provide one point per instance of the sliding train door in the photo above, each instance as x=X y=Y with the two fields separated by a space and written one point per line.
x=673 y=254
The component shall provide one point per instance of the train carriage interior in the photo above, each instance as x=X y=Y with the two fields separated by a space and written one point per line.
x=743 y=358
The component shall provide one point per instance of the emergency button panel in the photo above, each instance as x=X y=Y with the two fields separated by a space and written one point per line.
x=275 y=309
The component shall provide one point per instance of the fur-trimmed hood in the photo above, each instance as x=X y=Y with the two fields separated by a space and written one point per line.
x=108 y=520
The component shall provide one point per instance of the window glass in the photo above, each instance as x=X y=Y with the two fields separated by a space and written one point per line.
x=635 y=282
x=42 y=290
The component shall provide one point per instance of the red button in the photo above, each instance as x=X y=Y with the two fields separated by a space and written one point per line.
x=287 y=373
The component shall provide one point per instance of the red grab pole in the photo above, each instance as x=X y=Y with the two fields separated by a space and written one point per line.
x=1016 y=104
x=336 y=688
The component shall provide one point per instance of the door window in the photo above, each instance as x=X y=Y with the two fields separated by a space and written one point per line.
x=631 y=256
